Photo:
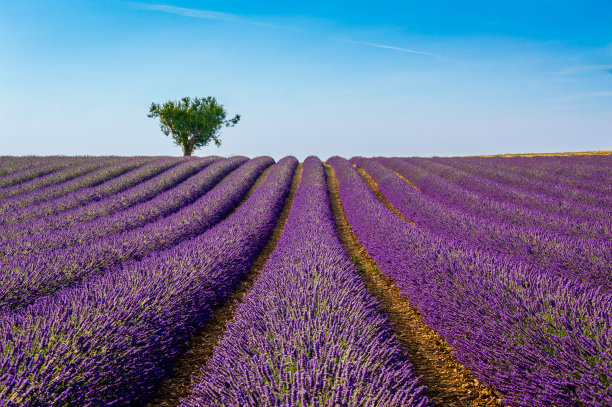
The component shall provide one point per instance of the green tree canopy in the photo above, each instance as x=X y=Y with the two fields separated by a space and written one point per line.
x=193 y=123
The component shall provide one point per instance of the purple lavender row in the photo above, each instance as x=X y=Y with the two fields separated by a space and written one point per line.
x=167 y=203
x=99 y=171
x=116 y=181
x=571 y=170
x=527 y=199
x=586 y=260
x=137 y=194
x=109 y=340
x=308 y=333
x=63 y=174
x=551 y=186
x=545 y=178
x=558 y=198
x=33 y=167
x=568 y=168
x=538 y=340
x=482 y=198
x=24 y=279
x=11 y=164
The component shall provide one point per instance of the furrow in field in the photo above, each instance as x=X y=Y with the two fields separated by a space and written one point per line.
x=202 y=343
x=30 y=169
x=447 y=382
x=110 y=339
x=308 y=333
x=536 y=339
x=374 y=187
x=581 y=259
x=597 y=194
x=582 y=172
x=484 y=199
x=140 y=215
x=493 y=187
x=116 y=181
x=94 y=220
x=15 y=210
x=24 y=193
x=26 y=279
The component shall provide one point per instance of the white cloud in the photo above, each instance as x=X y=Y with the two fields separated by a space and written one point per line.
x=407 y=50
x=207 y=15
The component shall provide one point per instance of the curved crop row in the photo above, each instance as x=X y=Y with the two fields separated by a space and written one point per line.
x=528 y=199
x=24 y=279
x=573 y=170
x=308 y=333
x=536 y=339
x=589 y=260
x=109 y=205
x=134 y=217
x=11 y=164
x=14 y=193
x=110 y=339
x=587 y=192
x=13 y=209
x=485 y=199
x=110 y=186
x=32 y=167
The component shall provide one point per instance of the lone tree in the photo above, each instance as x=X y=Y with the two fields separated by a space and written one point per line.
x=193 y=123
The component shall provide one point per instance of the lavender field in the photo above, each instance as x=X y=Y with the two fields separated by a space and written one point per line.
x=213 y=281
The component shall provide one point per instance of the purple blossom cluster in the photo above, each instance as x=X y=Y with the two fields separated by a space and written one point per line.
x=115 y=184
x=308 y=333
x=545 y=175
x=52 y=178
x=588 y=260
x=26 y=278
x=15 y=170
x=539 y=339
x=493 y=200
x=23 y=237
x=10 y=164
x=112 y=337
x=15 y=209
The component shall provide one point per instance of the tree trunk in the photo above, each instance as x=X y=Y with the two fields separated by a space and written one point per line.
x=188 y=148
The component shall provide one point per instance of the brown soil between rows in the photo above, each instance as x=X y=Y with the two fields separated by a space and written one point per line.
x=407 y=180
x=374 y=187
x=448 y=382
x=202 y=343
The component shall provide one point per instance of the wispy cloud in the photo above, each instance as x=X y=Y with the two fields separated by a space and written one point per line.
x=583 y=95
x=236 y=18
x=407 y=50
x=208 y=15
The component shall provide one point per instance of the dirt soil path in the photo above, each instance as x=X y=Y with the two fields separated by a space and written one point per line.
x=202 y=343
x=448 y=382
x=374 y=187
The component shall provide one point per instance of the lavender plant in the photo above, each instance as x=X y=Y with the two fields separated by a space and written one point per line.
x=106 y=206
x=14 y=210
x=308 y=333
x=588 y=260
x=27 y=278
x=110 y=339
x=537 y=339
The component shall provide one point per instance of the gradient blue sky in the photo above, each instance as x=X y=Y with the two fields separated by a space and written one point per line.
x=348 y=78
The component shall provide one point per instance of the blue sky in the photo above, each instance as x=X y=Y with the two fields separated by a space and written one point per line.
x=348 y=78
